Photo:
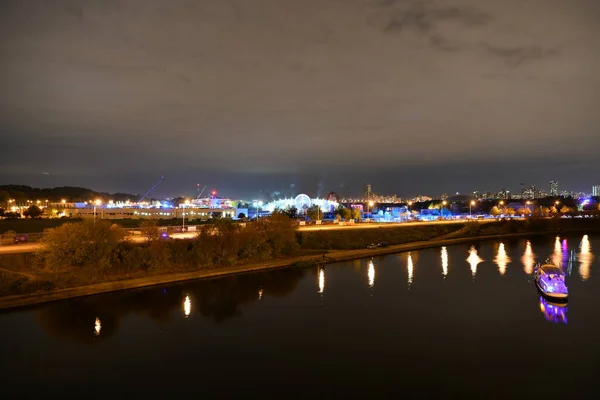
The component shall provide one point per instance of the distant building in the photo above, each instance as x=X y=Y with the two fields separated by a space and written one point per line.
x=596 y=190
x=190 y=212
x=553 y=188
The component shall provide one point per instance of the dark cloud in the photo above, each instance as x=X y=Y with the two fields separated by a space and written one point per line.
x=253 y=96
x=516 y=56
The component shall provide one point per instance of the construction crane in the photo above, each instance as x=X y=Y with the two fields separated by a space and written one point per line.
x=162 y=178
x=200 y=193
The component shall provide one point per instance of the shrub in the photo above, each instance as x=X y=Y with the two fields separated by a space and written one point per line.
x=149 y=228
x=82 y=243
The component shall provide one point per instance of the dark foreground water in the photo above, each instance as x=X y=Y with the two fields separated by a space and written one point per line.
x=426 y=323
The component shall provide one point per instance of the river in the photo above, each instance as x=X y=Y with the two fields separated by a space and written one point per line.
x=465 y=321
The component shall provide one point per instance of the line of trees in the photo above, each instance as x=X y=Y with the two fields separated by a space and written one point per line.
x=102 y=244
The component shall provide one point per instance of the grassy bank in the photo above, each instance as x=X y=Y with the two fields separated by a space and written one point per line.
x=126 y=265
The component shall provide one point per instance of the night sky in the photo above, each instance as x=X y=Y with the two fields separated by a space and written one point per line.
x=257 y=96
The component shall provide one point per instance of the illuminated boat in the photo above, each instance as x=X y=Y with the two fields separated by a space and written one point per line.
x=550 y=280
x=554 y=312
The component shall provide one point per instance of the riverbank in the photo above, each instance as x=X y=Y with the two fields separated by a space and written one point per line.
x=14 y=301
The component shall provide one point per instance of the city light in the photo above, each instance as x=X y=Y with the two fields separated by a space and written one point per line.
x=260 y=293
x=502 y=259
x=187 y=306
x=98 y=202
x=444 y=254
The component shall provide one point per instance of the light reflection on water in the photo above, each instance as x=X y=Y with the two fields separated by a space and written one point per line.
x=502 y=259
x=371 y=274
x=528 y=259
x=187 y=306
x=444 y=255
x=554 y=312
x=473 y=260
x=321 y=279
x=585 y=258
x=97 y=326
x=557 y=255
x=410 y=268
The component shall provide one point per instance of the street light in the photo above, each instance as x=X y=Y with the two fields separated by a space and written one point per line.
x=187 y=202
x=471 y=204
x=97 y=203
x=369 y=208
x=257 y=204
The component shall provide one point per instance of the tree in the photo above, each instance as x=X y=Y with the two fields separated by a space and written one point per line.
x=291 y=212
x=347 y=213
x=495 y=211
x=81 y=244
x=32 y=211
x=510 y=211
x=1 y=212
x=241 y=215
x=565 y=210
x=150 y=230
x=356 y=214
x=314 y=212
x=524 y=211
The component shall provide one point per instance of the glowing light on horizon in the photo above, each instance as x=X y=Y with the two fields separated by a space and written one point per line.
x=97 y=326
x=260 y=293
x=502 y=259
x=410 y=268
x=585 y=258
x=528 y=259
x=473 y=260
x=371 y=273
x=444 y=255
x=321 y=280
x=187 y=306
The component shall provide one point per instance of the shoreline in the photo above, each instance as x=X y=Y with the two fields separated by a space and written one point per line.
x=15 y=301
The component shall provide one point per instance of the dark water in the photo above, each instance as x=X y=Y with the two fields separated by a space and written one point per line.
x=428 y=323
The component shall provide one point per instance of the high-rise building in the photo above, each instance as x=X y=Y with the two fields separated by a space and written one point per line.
x=596 y=190
x=553 y=188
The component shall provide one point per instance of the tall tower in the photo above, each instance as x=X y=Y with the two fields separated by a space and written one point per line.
x=553 y=188
x=368 y=192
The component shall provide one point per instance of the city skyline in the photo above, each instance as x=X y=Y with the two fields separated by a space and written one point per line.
x=302 y=96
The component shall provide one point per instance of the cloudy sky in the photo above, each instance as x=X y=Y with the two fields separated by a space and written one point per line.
x=257 y=96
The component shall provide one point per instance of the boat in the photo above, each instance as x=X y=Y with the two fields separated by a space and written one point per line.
x=550 y=280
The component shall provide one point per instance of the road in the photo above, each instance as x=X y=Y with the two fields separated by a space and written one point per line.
x=31 y=247
x=375 y=225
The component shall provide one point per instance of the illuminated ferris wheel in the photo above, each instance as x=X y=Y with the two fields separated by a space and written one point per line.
x=302 y=202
